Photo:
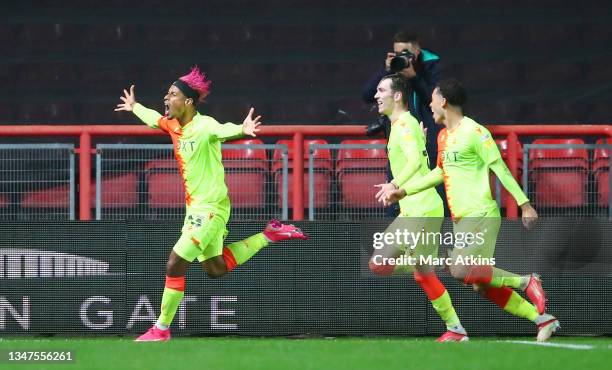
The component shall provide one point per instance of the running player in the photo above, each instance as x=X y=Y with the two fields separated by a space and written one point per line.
x=466 y=153
x=197 y=148
x=419 y=213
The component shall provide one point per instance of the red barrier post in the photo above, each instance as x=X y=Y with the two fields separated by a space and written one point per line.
x=511 y=206
x=85 y=176
x=298 y=176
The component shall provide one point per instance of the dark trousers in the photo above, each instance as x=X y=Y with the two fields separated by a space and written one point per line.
x=394 y=209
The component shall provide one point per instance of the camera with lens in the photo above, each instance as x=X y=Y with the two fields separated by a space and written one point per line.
x=401 y=60
x=378 y=126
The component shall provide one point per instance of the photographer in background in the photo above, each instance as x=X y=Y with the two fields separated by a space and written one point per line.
x=422 y=70
x=420 y=67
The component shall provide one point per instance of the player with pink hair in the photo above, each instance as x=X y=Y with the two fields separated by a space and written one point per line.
x=197 y=147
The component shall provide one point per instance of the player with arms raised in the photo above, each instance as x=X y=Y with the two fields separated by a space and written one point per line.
x=197 y=148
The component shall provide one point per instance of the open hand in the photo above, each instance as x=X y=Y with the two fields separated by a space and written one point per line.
x=128 y=99
x=383 y=189
x=393 y=196
x=250 y=126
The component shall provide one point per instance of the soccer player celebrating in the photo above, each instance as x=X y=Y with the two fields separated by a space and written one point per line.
x=197 y=148
x=422 y=212
x=466 y=153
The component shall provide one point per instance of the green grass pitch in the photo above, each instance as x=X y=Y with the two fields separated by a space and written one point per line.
x=340 y=353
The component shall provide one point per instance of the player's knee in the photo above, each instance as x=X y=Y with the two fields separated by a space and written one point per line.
x=172 y=267
x=381 y=269
x=214 y=274
x=213 y=271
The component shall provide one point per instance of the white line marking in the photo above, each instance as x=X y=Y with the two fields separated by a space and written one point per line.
x=548 y=344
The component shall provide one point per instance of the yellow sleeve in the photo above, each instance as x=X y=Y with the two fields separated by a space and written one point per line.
x=146 y=115
x=223 y=132
x=433 y=178
x=410 y=148
x=505 y=177
x=485 y=146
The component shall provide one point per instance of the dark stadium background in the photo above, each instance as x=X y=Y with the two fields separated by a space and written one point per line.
x=66 y=61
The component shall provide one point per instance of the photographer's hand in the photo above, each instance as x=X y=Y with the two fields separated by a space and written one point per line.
x=388 y=61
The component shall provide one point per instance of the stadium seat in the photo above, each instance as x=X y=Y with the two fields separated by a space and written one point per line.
x=601 y=173
x=489 y=74
x=553 y=72
x=353 y=36
x=8 y=35
x=503 y=148
x=487 y=35
x=301 y=76
x=344 y=72
x=118 y=191
x=166 y=34
x=4 y=201
x=245 y=174
x=6 y=113
x=157 y=77
x=222 y=35
x=322 y=176
x=56 y=36
x=549 y=34
x=281 y=35
x=358 y=170
x=239 y=74
x=7 y=75
x=163 y=184
x=596 y=72
x=47 y=77
x=55 y=197
x=597 y=34
x=300 y=112
x=101 y=112
x=111 y=78
x=572 y=111
x=441 y=35
x=559 y=176
x=46 y=112
x=496 y=110
x=598 y=111
x=112 y=35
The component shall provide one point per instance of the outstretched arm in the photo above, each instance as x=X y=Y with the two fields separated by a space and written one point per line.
x=433 y=178
x=249 y=127
x=430 y=180
x=146 y=115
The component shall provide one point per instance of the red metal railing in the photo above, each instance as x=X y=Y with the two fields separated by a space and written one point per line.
x=297 y=132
